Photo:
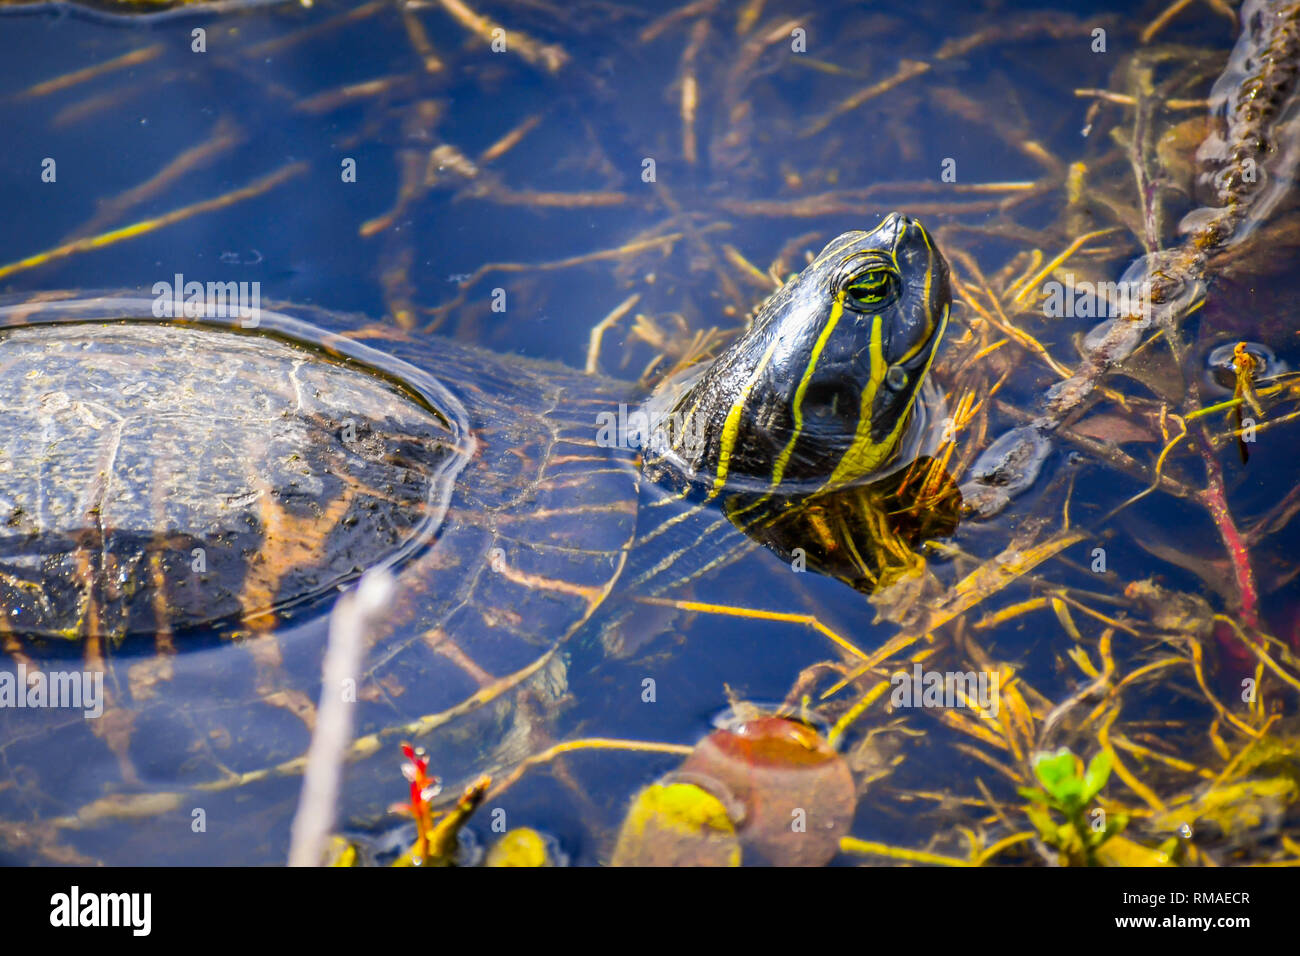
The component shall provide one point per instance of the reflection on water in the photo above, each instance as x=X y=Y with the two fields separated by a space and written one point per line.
x=617 y=188
x=864 y=535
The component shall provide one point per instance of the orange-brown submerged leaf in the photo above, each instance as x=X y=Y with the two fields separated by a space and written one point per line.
x=1176 y=151
x=1109 y=426
x=796 y=791
x=1172 y=611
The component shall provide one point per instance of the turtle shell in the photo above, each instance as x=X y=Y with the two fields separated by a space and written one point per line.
x=159 y=477
x=291 y=458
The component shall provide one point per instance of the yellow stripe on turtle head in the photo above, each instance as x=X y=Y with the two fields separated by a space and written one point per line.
x=864 y=455
x=796 y=409
x=731 y=427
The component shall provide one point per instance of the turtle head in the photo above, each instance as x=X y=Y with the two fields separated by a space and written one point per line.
x=819 y=389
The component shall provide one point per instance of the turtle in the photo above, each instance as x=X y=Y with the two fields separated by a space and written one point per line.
x=184 y=494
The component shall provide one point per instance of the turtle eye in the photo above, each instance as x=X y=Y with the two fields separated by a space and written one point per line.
x=872 y=290
x=896 y=378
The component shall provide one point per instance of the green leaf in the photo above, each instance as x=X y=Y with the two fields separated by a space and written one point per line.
x=1115 y=825
x=1059 y=773
x=1038 y=796
x=1044 y=824
x=1098 y=773
x=1055 y=769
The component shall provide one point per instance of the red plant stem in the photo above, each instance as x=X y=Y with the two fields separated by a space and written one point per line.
x=1215 y=499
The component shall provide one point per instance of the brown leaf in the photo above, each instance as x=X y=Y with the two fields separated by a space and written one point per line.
x=796 y=790
x=1113 y=427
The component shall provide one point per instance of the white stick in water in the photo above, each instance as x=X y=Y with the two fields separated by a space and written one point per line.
x=349 y=622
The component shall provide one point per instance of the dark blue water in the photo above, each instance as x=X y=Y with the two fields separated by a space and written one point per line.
x=284 y=99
